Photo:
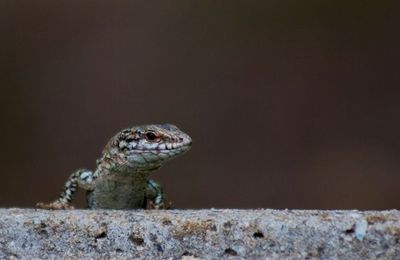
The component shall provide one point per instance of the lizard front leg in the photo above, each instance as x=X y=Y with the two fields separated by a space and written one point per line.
x=154 y=196
x=81 y=178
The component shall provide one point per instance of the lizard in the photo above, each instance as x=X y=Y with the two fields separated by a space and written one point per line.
x=120 y=180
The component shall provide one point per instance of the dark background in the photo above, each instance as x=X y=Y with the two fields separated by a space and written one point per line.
x=290 y=104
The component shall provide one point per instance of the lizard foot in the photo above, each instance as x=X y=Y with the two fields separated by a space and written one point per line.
x=54 y=205
x=151 y=205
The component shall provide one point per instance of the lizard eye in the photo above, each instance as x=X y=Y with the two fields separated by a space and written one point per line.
x=151 y=136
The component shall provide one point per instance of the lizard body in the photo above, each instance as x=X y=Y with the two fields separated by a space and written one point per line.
x=120 y=180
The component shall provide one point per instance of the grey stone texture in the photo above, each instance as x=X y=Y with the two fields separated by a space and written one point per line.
x=205 y=234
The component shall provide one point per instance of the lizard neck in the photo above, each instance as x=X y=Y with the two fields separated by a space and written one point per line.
x=107 y=167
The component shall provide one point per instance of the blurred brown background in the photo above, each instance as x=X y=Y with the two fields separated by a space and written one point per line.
x=290 y=105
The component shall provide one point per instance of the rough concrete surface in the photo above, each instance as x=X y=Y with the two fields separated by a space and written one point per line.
x=295 y=234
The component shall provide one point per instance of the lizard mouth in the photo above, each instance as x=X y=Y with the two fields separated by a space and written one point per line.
x=174 y=146
x=149 y=157
x=171 y=147
x=183 y=143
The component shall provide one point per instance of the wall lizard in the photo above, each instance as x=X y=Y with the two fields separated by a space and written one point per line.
x=120 y=180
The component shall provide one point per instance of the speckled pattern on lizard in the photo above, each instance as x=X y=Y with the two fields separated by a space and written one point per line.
x=120 y=180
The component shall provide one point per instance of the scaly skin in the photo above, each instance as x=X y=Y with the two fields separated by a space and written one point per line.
x=120 y=180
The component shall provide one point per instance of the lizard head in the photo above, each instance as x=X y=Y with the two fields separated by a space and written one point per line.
x=147 y=147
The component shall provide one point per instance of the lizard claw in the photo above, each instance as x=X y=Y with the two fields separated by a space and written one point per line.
x=54 y=205
x=151 y=205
